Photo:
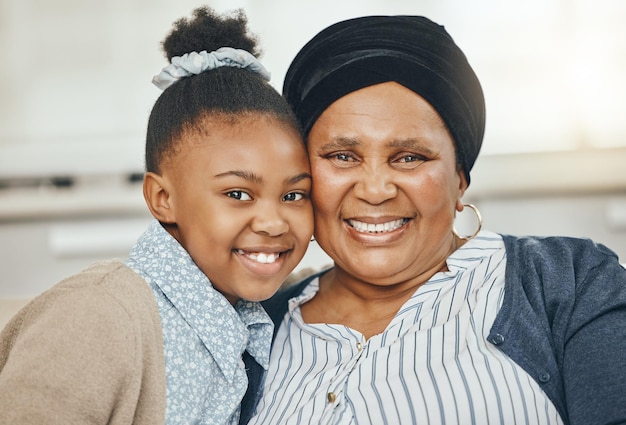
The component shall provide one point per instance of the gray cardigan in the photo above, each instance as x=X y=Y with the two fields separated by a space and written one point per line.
x=563 y=320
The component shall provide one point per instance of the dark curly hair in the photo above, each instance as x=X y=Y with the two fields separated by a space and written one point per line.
x=224 y=92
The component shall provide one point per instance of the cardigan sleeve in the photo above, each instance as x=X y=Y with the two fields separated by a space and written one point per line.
x=68 y=357
x=563 y=320
x=594 y=355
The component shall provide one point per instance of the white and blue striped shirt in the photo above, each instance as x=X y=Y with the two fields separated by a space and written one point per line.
x=431 y=365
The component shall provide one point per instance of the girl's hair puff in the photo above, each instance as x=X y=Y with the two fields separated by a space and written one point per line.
x=223 y=93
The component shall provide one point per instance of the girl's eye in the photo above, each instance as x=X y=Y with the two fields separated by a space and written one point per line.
x=293 y=197
x=239 y=195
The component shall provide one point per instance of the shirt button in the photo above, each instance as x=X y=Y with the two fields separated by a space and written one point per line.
x=544 y=377
x=498 y=339
x=331 y=397
x=359 y=346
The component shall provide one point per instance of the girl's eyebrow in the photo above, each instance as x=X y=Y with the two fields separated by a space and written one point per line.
x=255 y=178
x=247 y=175
x=298 y=177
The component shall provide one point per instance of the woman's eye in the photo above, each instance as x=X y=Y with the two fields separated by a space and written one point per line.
x=293 y=196
x=239 y=195
x=342 y=159
x=341 y=156
x=410 y=160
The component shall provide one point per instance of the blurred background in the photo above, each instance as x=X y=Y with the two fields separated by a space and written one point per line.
x=75 y=94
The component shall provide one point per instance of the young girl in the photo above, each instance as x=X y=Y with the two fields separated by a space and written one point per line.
x=160 y=338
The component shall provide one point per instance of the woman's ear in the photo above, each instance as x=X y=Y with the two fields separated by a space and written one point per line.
x=462 y=188
x=157 y=196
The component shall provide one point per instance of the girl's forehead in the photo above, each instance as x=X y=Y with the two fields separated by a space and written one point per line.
x=233 y=120
x=264 y=152
x=232 y=134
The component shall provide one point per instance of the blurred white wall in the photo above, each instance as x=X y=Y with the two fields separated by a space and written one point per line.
x=76 y=93
x=76 y=89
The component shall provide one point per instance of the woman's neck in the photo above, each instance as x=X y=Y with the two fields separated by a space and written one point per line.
x=364 y=304
x=367 y=307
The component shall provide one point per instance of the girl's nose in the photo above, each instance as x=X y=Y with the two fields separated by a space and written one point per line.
x=269 y=221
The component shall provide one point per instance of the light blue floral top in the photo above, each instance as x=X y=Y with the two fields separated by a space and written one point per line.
x=204 y=335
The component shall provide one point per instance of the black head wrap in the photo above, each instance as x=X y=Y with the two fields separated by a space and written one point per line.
x=411 y=50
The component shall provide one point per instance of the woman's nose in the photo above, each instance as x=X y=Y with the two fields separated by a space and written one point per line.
x=269 y=220
x=375 y=185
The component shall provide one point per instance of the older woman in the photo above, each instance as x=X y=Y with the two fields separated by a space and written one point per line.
x=415 y=324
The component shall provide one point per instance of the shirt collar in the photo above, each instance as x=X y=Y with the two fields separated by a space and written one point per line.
x=260 y=330
x=162 y=261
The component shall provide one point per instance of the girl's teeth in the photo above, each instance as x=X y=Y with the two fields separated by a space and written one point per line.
x=261 y=257
x=376 y=228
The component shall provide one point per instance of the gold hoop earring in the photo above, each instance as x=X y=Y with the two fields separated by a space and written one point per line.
x=480 y=224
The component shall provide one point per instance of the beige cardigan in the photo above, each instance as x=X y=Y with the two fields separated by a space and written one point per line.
x=87 y=351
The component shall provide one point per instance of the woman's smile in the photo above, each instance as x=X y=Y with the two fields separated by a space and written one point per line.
x=386 y=227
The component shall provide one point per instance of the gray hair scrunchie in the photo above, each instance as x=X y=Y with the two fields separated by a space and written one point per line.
x=194 y=63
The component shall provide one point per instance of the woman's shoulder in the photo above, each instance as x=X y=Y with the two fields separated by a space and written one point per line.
x=557 y=249
x=561 y=267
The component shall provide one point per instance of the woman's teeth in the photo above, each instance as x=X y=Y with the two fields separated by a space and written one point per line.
x=389 y=226
x=260 y=257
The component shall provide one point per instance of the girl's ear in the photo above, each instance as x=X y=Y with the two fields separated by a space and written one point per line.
x=157 y=196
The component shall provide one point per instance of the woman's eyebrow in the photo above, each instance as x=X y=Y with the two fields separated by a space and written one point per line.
x=338 y=143
x=411 y=144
